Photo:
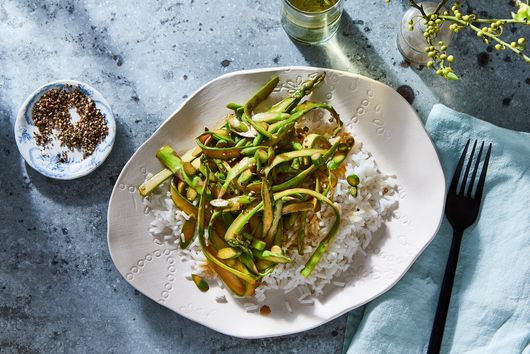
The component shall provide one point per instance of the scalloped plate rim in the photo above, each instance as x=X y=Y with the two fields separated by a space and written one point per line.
x=307 y=69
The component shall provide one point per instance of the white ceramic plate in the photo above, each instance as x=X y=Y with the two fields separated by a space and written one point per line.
x=388 y=127
x=45 y=161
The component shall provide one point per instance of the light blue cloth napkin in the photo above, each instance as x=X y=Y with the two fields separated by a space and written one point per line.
x=490 y=305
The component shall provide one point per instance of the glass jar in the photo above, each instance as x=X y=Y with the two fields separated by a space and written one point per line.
x=411 y=44
x=310 y=27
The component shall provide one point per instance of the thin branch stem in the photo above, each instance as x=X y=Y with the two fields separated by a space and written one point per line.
x=414 y=4
x=489 y=35
x=511 y=20
x=440 y=5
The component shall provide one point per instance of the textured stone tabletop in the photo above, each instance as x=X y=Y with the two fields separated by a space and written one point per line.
x=59 y=291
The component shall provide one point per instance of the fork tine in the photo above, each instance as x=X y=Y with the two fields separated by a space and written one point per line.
x=474 y=174
x=456 y=176
x=482 y=180
x=468 y=167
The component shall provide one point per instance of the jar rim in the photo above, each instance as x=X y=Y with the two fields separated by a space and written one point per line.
x=337 y=4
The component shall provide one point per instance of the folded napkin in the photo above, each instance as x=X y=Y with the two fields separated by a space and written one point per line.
x=490 y=304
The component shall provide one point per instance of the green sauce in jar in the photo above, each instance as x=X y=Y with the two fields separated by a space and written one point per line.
x=311 y=21
x=312 y=5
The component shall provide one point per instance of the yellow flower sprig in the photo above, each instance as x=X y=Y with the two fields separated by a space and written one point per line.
x=489 y=30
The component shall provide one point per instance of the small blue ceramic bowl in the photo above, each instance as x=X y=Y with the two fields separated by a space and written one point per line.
x=47 y=160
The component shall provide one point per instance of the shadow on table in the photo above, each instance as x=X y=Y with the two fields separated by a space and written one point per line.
x=493 y=83
x=93 y=188
x=165 y=326
x=349 y=50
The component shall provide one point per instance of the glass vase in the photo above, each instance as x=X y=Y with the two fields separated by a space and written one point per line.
x=411 y=44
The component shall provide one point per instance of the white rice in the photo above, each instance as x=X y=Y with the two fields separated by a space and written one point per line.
x=250 y=307
x=361 y=216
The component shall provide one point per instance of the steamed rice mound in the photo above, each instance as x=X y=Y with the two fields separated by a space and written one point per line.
x=361 y=217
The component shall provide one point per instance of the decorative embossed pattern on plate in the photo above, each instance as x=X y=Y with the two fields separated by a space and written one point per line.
x=382 y=120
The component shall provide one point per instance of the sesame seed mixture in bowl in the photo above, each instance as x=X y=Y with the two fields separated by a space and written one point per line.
x=52 y=115
x=65 y=129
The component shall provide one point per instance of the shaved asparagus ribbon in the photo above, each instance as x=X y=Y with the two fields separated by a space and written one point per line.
x=257 y=175
x=243 y=219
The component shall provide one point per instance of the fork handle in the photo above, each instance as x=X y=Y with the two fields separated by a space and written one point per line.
x=445 y=295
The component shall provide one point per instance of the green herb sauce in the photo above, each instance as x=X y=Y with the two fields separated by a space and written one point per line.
x=313 y=5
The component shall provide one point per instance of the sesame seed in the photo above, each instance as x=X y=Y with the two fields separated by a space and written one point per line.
x=52 y=112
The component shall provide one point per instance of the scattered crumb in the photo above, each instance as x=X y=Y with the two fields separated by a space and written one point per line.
x=265 y=310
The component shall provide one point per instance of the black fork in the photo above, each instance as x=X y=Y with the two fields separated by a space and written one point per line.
x=462 y=209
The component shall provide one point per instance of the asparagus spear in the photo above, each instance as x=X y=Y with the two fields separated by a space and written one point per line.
x=258 y=161
x=150 y=185
x=288 y=103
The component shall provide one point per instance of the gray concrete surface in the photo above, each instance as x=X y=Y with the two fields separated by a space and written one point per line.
x=59 y=291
